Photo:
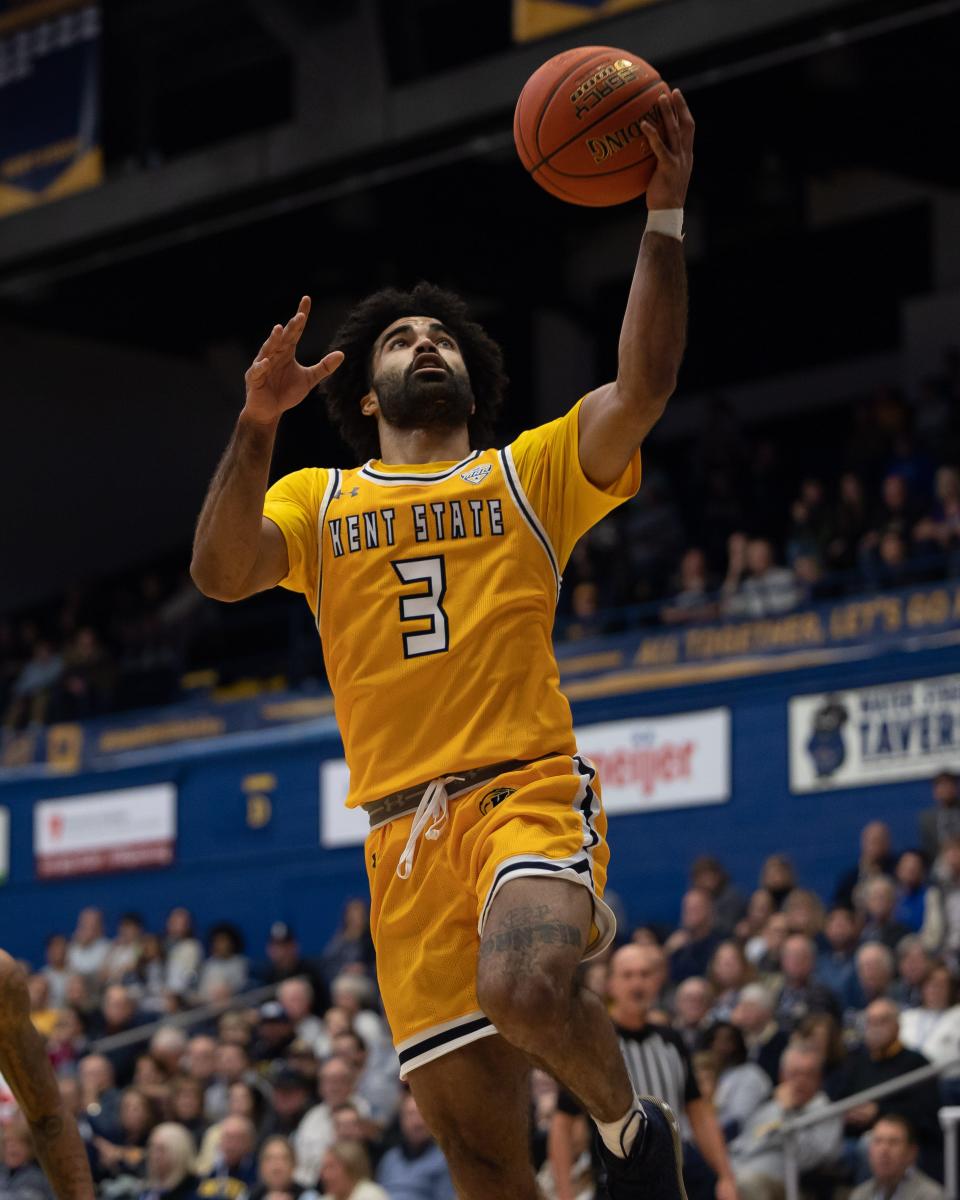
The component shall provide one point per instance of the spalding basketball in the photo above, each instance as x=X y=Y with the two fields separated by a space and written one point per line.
x=577 y=125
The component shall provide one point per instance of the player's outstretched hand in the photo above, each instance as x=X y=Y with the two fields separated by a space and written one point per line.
x=670 y=134
x=275 y=380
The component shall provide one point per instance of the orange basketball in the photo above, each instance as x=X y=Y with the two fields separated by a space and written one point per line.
x=577 y=125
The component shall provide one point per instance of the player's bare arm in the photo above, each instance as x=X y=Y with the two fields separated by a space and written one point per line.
x=26 y=1068
x=236 y=550
x=615 y=418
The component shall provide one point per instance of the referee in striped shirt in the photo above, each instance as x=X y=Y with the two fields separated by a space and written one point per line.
x=659 y=1065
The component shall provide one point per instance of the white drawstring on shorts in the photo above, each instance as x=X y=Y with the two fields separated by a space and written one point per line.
x=432 y=811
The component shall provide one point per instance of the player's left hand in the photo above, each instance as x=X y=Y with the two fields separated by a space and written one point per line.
x=670 y=135
x=726 y=1189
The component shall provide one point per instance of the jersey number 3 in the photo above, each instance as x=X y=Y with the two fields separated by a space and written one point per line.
x=424 y=605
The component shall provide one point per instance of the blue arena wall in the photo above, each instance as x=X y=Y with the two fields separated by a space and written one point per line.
x=231 y=862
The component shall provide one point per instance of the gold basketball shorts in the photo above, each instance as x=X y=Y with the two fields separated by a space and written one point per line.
x=543 y=818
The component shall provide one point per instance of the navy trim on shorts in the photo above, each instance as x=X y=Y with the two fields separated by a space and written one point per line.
x=441 y=1039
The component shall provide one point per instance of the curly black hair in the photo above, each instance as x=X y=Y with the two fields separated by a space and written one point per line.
x=357 y=335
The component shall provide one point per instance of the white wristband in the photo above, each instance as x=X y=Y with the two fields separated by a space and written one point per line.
x=666 y=220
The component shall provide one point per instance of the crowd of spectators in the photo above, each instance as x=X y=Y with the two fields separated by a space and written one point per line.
x=754 y=1008
x=728 y=526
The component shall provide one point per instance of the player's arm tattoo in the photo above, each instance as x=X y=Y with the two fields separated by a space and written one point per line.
x=26 y=1068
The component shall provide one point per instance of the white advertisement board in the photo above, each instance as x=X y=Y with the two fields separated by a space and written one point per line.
x=122 y=830
x=881 y=734
x=644 y=764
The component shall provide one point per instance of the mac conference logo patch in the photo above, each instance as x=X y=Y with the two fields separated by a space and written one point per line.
x=825 y=745
x=477 y=474
x=492 y=799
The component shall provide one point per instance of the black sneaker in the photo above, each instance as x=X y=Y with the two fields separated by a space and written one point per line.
x=653 y=1169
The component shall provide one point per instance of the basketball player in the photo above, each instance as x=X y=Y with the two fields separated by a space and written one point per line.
x=433 y=573
x=26 y=1068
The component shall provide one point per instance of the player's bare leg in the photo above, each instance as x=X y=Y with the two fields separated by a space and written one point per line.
x=532 y=945
x=26 y=1068
x=476 y=1101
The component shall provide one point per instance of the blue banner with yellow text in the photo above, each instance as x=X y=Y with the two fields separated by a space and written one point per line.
x=49 y=100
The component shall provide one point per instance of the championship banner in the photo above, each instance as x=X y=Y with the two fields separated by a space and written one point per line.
x=49 y=100
x=653 y=763
x=534 y=19
x=881 y=734
x=123 y=830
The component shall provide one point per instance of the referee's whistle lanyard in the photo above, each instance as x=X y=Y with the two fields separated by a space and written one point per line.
x=429 y=820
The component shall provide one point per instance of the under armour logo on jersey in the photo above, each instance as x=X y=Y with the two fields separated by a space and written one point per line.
x=478 y=474
x=353 y=492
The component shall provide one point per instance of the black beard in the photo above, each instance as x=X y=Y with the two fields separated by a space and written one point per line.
x=429 y=401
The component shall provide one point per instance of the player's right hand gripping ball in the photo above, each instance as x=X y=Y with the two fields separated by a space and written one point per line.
x=577 y=125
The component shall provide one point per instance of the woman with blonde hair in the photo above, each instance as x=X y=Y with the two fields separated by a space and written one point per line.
x=345 y=1174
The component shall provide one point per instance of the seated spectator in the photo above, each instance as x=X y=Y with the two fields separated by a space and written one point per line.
x=226 y=963
x=848 y=525
x=800 y=992
x=883 y=1057
x=765 y=1040
x=689 y=948
x=728 y=973
x=274 y=1035
x=416 y=1168
x=879 y=924
x=99 y=1096
x=778 y=877
x=151 y=1079
x=586 y=619
x=379 y=1088
x=183 y=953
x=822 y=1031
x=168 y=1047
x=892 y=1158
x=284 y=961
x=231 y=1065
x=943 y=818
x=146 y=980
x=804 y=912
x=293 y=1095
x=170 y=1175
x=836 y=963
x=760 y=907
x=124 y=950
x=876 y=858
x=296 y=997
x=68 y=1042
x=941 y=911
x=234 y=1167
x=349 y=1126
x=694 y=598
x=345 y=1174
x=43 y=1015
x=741 y=1086
x=275 y=1171
x=354 y=994
x=757 y=1154
x=33 y=689
x=692 y=1002
x=314 y=1134
x=938 y=533
x=88 y=947
x=914 y=964
x=55 y=971
x=20 y=1176
x=874 y=981
x=889 y=567
x=186 y=1105
x=729 y=903
x=933 y=1028
x=911 y=880
x=127 y=1156
x=760 y=589
x=118 y=1014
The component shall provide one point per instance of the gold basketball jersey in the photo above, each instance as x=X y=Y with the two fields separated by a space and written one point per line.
x=434 y=588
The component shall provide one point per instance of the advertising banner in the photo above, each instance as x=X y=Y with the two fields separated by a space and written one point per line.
x=105 y=831
x=880 y=734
